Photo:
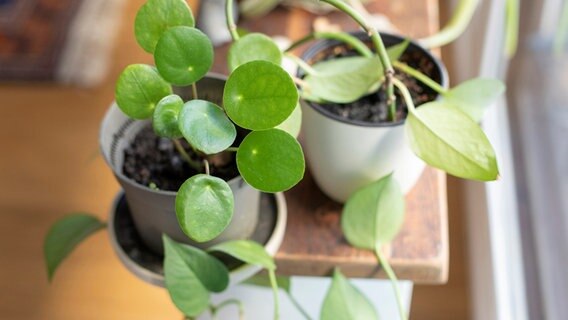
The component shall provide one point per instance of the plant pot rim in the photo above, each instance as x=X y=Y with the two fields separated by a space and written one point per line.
x=118 y=171
x=326 y=43
x=237 y=275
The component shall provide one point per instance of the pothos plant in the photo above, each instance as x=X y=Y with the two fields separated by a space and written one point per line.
x=444 y=133
x=190 y=274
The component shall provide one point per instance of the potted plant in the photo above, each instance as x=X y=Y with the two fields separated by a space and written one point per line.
x=188 y=166
x=366 y=127
x=354 y=133
x=236 y=139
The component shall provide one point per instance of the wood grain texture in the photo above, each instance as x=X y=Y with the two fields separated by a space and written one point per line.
x=49 y=166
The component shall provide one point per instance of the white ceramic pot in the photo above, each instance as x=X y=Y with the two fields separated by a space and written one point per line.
x=153 y=211
x=345 y=155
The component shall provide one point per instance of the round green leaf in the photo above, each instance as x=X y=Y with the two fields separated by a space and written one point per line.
x=374 y=214
x=271 y=160
x=253 y=46
x=183 y=55
x=344 y=301
x=448 y=139
x=259 y=95
x=166 y=117
x=204 y=207
x=139 y=89
x=206 y=127
x=247 y=251
x=156 y=16
x=293 y=124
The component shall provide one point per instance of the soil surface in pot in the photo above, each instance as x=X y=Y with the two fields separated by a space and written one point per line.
x=154 y=161
x=373 y=107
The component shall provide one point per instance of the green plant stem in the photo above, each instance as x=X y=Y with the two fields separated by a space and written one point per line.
x=230 y=21
x=303 y=84
x=301 y=64
x=394 y=281
x=379 y=46
x=194 y=90
x=454 y=28
x=405 y=94
x=420 y=77
x=298 y=306
x=239 y=304
x=274 y=285
x=346 y=38
x=232 y=149
x=561 y=31
x=185 y=156
x=206 y=164
x=512 y=27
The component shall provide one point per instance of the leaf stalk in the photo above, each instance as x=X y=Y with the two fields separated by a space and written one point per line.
x=394 y=281
x=230 y=20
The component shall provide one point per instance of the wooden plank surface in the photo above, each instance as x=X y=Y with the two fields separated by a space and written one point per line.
x=49 y=167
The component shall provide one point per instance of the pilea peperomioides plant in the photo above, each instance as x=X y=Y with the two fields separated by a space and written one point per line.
x=258 y=96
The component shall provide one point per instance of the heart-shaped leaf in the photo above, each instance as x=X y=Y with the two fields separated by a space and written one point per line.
x=293 y=124
x=183 y=55
x=156 y=16
x=259 y=95
x=446 y=138
x=271 y=160
x=345 y=302
x=253 y=46
x=474 y=96
x=206 y=126
x=189 y=276
x=396 y=51
x=65 y=235
x=139 y=89
x=247 y=251
x=262 y=280
x=211 y=272
x=204 y=207
x=374 y=214
x=343 y=80
x=166 y=115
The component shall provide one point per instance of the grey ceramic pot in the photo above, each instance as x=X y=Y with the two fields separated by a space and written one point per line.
x=153 y=211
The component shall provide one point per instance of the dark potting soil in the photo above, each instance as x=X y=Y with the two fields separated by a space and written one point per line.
x=131 y=243
x=154 y=161
x=373 y=108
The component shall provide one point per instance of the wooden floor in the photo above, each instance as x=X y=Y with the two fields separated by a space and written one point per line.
x=49 y=166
